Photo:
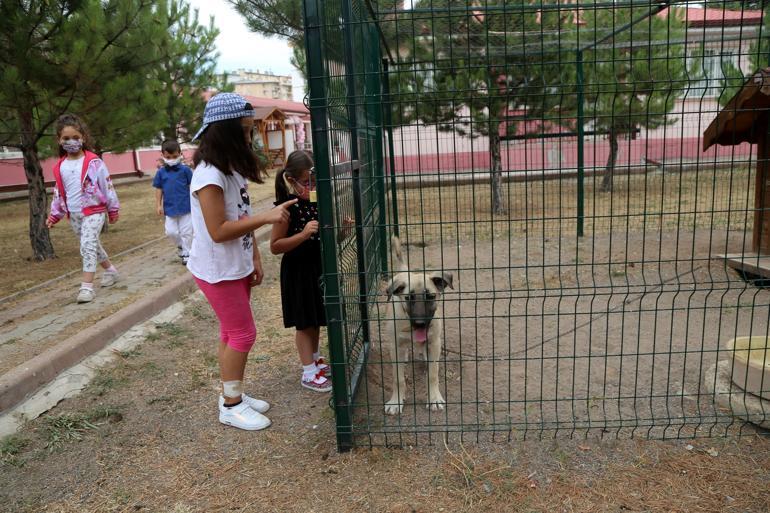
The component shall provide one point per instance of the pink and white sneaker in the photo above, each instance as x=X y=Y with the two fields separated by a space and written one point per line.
x=324 y=367
x=318 y=383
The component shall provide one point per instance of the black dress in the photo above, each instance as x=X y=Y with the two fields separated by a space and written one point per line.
x=301 y=297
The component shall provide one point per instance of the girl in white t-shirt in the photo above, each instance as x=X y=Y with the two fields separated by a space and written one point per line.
x=224 y=258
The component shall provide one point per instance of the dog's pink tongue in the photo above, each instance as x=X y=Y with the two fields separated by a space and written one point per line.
x=420 y=334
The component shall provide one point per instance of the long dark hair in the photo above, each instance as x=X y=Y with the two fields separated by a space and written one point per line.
x=224 y=146
x=75 y=122
x=297 y=162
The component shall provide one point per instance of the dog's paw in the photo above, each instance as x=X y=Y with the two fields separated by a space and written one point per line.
x=394 y=407
x=436 y=403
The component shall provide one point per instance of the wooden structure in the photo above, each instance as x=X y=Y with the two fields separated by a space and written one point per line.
x=269 y=120
x=746 y=118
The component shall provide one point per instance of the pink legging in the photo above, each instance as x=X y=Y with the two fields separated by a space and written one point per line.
x=231 y=303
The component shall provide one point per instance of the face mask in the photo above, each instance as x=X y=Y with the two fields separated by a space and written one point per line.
x=172 y=162
x=72 y=145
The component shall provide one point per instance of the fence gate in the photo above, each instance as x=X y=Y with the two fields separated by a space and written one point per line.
x=551 y=157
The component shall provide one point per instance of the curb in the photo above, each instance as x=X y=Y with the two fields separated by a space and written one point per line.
x=18 y=383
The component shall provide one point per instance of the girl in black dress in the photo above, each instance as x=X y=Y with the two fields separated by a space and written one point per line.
x=297 y=239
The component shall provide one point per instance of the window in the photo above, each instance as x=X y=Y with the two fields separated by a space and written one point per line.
x=713 y=68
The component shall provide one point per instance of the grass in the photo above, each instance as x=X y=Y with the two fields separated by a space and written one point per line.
x=173 y=334
x=104 y=381
x=138 y=224
x=649 y=202
x=70 y=427
x=10 y=448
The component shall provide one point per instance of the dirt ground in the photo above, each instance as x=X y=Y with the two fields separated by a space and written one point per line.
x=608 y=333
x=138 y=224
x=144 y=437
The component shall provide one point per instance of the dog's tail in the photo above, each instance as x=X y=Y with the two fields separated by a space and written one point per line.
x=398 y=254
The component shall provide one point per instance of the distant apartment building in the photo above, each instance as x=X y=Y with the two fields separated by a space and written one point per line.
x=261 y=84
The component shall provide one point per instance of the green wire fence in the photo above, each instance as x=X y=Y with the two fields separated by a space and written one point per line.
x=551 y=157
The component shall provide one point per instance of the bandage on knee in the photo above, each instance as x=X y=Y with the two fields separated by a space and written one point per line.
x=232 y=388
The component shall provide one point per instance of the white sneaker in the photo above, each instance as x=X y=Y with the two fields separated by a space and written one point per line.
x=243 y=416
x=109 y=278
x=257 y=405
x=86 y=295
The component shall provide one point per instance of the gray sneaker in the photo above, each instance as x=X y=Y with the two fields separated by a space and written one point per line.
x=109 y=278
x=86 y=295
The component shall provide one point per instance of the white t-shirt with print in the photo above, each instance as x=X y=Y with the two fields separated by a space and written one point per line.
x=71 y=171
x=218 y=261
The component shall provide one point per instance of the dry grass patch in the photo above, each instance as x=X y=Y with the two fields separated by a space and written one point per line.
x=653 y=201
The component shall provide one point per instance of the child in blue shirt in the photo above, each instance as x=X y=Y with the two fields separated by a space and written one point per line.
x=172 y=197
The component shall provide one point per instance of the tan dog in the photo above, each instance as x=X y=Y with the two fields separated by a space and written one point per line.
x=415 y=318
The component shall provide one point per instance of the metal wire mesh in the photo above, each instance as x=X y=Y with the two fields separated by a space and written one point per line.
x=551 y=157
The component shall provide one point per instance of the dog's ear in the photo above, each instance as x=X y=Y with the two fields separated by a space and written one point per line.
x=396 y=287
x=442 y=280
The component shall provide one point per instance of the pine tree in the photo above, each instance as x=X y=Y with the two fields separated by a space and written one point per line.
x=186 y=70
x=274 y=18
x=87 y=57
x=633 y=79
x=130 y=68
x=483 y=66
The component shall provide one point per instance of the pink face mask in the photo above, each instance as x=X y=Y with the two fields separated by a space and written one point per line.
x=72 y=145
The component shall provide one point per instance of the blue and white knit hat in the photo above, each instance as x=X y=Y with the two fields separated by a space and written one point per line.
x=224 y=106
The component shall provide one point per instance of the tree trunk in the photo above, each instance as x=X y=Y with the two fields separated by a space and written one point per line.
x=610 y=169
x=39 y=238
x=495 y=175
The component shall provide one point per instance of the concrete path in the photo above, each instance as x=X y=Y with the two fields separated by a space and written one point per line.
x=49 y=315
x=46 y=332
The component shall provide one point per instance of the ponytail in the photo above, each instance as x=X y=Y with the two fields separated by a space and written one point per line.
x=281 y=191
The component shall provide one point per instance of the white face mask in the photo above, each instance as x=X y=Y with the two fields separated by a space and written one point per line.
x=172 y=162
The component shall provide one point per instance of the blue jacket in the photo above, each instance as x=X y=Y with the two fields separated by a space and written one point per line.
x=174 y=181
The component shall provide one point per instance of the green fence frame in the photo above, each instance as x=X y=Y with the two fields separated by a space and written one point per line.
x=358 y=103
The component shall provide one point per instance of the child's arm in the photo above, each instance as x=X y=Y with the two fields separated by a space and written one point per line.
x=105 y=185
x=212 y=200
x=280 y=243
x=57 y=209
x=159 y=201
x=259 y=273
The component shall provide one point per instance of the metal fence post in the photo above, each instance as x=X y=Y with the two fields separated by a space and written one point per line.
x=581 y=143
x=388 y=117
x=321 y=144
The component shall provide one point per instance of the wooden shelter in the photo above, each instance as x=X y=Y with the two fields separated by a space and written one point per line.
x=267 y=121
x=746 y=118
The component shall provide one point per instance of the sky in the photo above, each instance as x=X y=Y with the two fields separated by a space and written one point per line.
x=238 y=47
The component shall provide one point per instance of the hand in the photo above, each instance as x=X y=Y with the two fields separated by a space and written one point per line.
x=310 y=229
x=159 y=210
x=113 y=217
x=49 y=223
x=347 y=224
x=258 y=274
x=279 y=214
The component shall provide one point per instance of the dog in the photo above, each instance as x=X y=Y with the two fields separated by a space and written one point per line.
x=415 y=316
